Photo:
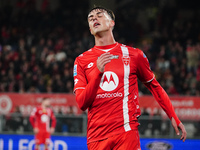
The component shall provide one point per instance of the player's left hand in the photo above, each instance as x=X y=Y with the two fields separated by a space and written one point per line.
x=181 y=127
x=52 y=130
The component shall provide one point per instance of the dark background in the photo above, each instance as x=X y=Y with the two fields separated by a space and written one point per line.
x=40 y=40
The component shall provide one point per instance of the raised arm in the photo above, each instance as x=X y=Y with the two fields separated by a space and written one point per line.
x=86 y=91
x=32 y=118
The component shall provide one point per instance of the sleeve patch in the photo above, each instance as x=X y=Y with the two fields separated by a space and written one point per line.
x=144 y=55
x=75 y=70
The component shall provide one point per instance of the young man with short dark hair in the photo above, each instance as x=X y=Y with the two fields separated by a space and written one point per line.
x=105 y=83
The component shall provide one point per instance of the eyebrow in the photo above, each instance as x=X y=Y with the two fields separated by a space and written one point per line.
x=96 y=13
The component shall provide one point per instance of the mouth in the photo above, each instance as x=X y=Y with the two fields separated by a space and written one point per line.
x=96 y=24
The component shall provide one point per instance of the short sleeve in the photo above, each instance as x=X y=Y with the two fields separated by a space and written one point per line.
x=144 y=72
x=79 y=76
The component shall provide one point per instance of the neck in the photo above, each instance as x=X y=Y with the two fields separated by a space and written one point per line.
x=103 y=39
x=43 y=107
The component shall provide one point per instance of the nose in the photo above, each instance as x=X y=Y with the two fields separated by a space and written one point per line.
x=94 y=18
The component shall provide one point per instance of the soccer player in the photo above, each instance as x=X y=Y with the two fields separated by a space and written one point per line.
x=40 y=120
x=105 y=83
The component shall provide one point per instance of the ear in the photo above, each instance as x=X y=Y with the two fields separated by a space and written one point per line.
x=112 y=23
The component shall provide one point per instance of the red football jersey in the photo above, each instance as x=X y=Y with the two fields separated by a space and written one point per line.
x=111 y=97
x=40 y=118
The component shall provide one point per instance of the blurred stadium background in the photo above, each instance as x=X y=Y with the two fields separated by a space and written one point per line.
x=41 y=38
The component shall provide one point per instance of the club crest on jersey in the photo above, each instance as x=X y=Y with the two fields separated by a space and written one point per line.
x=126 y=60
x=109 y=81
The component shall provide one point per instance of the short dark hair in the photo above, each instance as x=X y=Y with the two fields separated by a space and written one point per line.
x=45 y=98
x=110 y=12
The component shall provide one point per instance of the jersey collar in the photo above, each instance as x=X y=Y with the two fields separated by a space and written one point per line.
x=106 y=47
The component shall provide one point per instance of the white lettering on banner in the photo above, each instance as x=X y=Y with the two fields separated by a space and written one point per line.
x=10 y=143
x=27 y=109
x=109 y=95
x=1 y=144
x=62 y=143
x=31 y=144
x=182 y=113
x=21 y=144
x=25 y=144
x=50 y=147
x=184 y=103
x=188 y=112
x=54 y=100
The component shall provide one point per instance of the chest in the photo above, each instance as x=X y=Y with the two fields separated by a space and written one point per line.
x=43 y=114
x=119 y=68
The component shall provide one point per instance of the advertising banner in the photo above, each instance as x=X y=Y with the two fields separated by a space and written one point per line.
x=186 y=107
x=26 y=102
x=26 y=142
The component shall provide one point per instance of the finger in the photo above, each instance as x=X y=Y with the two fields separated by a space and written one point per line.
x=101 y=64
x=103 y=61
x=175 y=126
x=184 y=133
x=183 y=136
x=106 y=60
x=104 y=55
x=176 y=130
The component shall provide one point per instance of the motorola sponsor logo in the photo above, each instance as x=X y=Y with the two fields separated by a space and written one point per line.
x=109 y=95
x=109 y=81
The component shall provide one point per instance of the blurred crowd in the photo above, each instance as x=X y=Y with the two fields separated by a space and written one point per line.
x=38 y=48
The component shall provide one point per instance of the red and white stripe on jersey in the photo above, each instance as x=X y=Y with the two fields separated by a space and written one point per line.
x=125 y=53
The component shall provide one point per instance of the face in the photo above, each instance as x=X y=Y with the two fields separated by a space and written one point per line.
x=46 y=103
x=100 y=21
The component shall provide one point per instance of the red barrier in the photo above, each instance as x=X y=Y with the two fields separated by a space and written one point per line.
x=26 y=102
x=186 y=107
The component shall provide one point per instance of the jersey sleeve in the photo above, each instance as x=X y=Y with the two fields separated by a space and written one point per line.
x=32 y=117
x=163 y=99
x=85 y=91
x=144 y=71
x=80 y=81
x=53 y=119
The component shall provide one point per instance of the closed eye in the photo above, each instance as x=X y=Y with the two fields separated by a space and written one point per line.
x=99 y=15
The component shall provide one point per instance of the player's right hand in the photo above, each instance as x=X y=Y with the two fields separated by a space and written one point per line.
x=35 y=130
x=103 y=60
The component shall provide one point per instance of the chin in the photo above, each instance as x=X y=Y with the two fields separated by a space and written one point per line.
x=97 y=32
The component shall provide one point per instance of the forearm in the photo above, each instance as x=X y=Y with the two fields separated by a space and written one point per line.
x=162 y=98
x=31 y=119
x=53 y=118
x=85 y=97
